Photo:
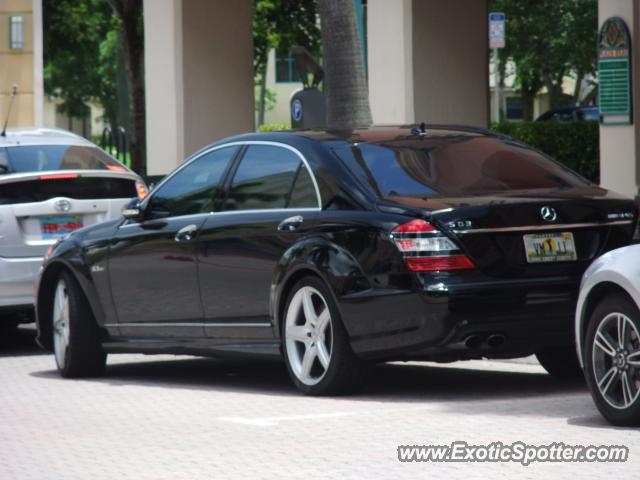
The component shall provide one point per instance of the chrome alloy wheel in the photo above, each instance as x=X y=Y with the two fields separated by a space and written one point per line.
x=616 y=360
x=308 y=335
x=60 y=323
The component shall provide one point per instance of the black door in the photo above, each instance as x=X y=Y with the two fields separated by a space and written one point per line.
x=152 y=264
x=271 y=203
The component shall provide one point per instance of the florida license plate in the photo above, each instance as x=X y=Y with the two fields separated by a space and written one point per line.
x=550 y=247
x=56 y=226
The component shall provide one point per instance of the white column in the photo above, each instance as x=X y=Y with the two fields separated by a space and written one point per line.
x=451 y=61
x=390 y=61
x=163 y=84
x=619 y=143
x=217 y=70
x=198 y=76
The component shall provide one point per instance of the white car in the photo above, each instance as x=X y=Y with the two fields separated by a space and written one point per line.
x=51 y=183
x=608 y=334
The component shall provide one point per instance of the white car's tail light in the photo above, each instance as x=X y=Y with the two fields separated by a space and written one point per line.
x=141 y=188
x=426 y=249
x=636 y=232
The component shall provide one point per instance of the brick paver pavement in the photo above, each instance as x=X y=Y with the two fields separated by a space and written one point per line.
x=173 y=418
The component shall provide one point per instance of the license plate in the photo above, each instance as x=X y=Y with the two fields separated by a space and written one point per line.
x=550 y=247
x=56 y=226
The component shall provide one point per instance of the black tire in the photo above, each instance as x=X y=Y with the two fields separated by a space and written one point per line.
x=613 y=303
x=560 y=362
x=345 y=372
x=83 y=355
x=8 y=324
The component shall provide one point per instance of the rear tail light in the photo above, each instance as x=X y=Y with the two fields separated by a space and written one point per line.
x=59 y=176
x=426 y=249
x=636 y=232
x=141 y=189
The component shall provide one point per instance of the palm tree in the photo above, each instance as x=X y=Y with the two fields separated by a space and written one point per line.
x=345 y=83
x=130 y=12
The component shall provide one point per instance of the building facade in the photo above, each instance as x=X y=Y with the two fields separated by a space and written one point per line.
x=21 y=61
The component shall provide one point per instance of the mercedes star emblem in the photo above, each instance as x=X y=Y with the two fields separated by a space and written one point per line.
x=548 y=214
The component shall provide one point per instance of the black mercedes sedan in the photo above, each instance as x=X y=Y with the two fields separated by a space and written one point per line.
x=337 y=249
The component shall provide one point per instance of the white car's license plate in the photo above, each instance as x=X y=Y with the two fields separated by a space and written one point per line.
x=550 y=247
x=56 y=226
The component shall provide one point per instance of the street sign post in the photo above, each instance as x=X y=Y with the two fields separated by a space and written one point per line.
x=497 y=35
x=497 y=39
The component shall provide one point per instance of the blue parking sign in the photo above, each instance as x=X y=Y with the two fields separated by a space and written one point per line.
x=497 y=34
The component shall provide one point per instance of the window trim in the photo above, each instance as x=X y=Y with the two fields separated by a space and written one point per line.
x=233 y=164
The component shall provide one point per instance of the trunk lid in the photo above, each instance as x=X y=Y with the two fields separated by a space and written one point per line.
x=38 y=208
x=491 y=229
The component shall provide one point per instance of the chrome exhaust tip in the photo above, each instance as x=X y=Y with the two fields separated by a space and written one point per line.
x=496 y=340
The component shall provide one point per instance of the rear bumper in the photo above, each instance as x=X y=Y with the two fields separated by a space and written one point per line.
x=451 y=322
x=17 y=281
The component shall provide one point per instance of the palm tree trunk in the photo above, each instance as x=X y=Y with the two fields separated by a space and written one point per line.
x=345 y=83
x=130 y=11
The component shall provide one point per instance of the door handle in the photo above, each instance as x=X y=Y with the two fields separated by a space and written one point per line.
x=186 y=233
x=290 y=224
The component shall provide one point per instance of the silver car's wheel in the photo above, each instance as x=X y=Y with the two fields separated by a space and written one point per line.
x=616 y=360
x=308 y=335
x=60 y=323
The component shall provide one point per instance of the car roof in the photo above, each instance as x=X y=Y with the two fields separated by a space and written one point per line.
x=41 y=136
x=374 y=134
x=574 y=108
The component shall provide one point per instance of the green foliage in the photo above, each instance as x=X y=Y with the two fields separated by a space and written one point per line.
x=282 y=24
x=575 y=144
x=270 y=98
x=274 y=127
x=548 y=40
x=80 y=54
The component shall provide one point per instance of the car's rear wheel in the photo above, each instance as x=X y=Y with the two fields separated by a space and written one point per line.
x=76 y=339
x=315 y=343
x=612 y=359
x=560 y=362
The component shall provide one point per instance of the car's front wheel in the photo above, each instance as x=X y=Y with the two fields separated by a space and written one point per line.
x=76 y=339
x=612 y=359
x=315 y=343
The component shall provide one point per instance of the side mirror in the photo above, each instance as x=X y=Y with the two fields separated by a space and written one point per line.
x=132 y=210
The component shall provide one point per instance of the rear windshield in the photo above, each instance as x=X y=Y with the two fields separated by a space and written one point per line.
x=41 y=158
x=81 y=188
x=449 y=168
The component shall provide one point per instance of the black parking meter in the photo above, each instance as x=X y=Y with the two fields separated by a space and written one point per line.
x=308 y=104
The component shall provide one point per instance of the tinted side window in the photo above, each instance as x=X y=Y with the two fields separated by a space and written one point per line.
x=265 y=180
x=193 y=189
x=303 y=194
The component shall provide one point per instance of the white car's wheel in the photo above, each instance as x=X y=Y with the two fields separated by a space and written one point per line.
x=315 y=344
x=76 y=339
x=612 y=359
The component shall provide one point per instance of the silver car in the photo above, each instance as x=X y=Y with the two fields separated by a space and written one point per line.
x=51 y=183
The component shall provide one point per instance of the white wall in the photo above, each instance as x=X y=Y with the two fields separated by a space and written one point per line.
x=390 y=61
x=198 y=76
x=428 y=61
x=283 y=90
x=163 y=82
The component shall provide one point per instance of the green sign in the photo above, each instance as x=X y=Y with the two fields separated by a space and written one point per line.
x=614 y=67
